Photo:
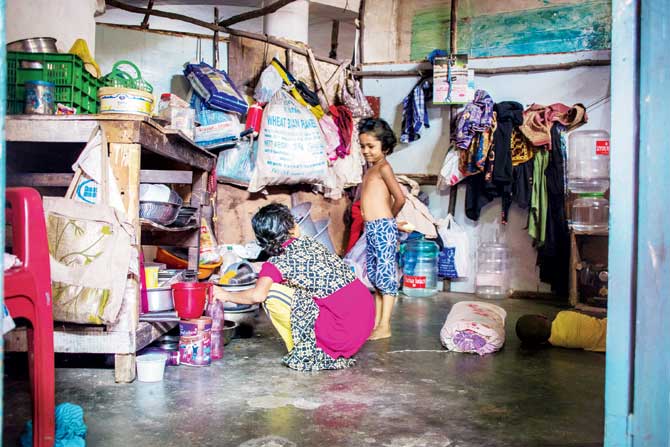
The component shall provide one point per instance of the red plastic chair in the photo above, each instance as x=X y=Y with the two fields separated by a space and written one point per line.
x=28 y=295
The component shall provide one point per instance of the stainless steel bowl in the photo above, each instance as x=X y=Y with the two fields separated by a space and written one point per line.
x=229 y=328
x=164 y=213
x=34 y=45
x=159 y=299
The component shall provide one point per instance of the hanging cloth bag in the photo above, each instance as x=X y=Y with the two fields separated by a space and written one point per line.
x=90 y=253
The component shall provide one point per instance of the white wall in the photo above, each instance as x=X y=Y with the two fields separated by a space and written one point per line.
x=65 y=20
x=585 y=84
x=159 y=57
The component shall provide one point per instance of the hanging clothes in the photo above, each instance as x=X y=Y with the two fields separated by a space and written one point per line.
x=522 y=150
x=522 y=186
x=477 y=116
x=538 y=120
x=473 y=160
x=537 y=216
x=498 y=179
x=415 y=112
x=554 y=255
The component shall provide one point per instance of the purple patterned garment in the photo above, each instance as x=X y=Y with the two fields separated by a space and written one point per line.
x=477 y=116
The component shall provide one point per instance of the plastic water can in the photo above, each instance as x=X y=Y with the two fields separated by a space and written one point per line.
x=420 y=268
x=588 y=161
x=590 y=212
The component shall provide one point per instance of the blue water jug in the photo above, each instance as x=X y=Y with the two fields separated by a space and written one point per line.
x=420 y=268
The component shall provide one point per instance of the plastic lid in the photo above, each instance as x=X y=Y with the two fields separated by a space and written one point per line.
x=592 y=194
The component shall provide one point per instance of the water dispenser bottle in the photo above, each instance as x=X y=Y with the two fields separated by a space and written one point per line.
x=420 y=268
x=493 y=271
x=590 y=212
x=588 y=161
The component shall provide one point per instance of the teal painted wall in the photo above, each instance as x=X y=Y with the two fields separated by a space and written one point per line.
x=552 y=29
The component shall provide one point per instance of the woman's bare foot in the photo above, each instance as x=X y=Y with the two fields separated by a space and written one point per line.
x=380 y=332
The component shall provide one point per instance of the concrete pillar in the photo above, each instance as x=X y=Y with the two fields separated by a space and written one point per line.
x=64 y=20
x=290 y=22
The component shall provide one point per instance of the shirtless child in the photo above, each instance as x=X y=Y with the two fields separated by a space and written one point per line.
x=381 y=200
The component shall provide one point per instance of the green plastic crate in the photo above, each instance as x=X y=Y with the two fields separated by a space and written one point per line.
x=74 y=86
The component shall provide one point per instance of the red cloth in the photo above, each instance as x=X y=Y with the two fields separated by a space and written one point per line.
x=356 y=224
x=346 y=317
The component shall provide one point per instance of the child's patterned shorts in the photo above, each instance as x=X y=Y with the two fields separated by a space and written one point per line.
x=382 y=244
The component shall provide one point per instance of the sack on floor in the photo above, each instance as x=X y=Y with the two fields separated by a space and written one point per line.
x=474 y=327
x=236 y=165
x=454 y=259
x=291 y=147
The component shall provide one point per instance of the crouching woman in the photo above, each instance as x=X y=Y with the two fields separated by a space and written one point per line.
x=322 y=312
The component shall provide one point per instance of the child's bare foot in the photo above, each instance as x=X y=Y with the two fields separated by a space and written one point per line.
x=380 y=332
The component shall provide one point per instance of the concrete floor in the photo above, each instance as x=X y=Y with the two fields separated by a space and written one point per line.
x=404 y=392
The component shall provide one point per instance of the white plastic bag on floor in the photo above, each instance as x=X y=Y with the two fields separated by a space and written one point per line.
x=454 y=261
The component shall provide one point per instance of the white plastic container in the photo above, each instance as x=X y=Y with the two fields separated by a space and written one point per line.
x=590 y=212
x=493 y=271
x=150 y=367
x=588 y=161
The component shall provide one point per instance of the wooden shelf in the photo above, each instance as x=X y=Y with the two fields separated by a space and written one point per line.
x=590 y=233
x=591 y=309
x=153 y=226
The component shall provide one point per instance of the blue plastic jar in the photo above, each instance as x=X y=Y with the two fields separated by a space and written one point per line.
x=420 y=268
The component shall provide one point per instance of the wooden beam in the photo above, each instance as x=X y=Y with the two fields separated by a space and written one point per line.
x=422 y=179
x=38 y=180
x=169 y=177
x=256 y=13
x=334 y=39
x=487 y=71
x=361 y=31
x=161 y=31
x=214 y=27
x=453 y=48
x=145 y=21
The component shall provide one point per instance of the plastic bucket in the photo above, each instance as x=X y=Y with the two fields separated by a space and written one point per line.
x=301 y=214
x=322 y=234
x=190 y=298
x=150 y=367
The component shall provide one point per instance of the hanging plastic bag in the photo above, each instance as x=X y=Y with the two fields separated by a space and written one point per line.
x=291 y=147
x=355 y=100
x=269 y=83
x=236 y=165
x=454 y=260
x=450 y=174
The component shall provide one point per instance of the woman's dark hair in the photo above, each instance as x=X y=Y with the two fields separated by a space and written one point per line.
x=272 y=225
x=381 y=130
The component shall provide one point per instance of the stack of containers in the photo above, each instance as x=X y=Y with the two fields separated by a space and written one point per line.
x=493 y=271
x=588 y=176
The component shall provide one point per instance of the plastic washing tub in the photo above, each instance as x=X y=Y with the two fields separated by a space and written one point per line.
x=301 y=214
x=150 y=367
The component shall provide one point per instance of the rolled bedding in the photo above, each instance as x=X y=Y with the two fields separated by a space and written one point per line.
x=475 y=327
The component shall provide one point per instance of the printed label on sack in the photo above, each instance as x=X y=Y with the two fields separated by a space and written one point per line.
x=602 y=147
x=414 y=282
